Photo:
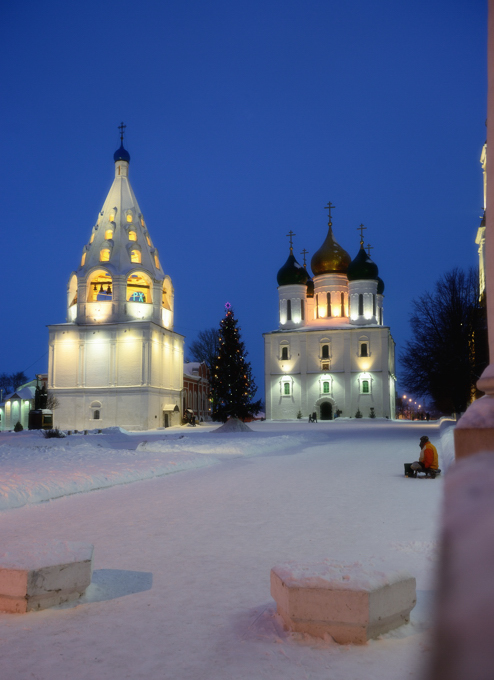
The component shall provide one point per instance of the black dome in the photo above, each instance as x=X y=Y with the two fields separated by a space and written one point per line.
x=121 y=154
x=380 y=286
x=362 y=267
x=292 y=272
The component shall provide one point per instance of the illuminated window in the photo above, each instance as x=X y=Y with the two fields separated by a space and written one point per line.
x=365 y=387
x=156 y=262
x=135 y=256
x=83 y=259
x=104 y=255
x=325 y=387
x=108 y=234
x=284 y=353
x=139 y=283
x=112 y=217
x=286 y=388
x=129 y=218
x=132 y=236
x=92 y=238
x=148 y=239
x=142 y=222
x=165 y=301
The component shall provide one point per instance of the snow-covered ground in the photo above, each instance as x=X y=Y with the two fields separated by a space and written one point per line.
x=182 y=561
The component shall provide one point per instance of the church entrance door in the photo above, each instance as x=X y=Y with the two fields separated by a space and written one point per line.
x=166 y=421
x=326 y=411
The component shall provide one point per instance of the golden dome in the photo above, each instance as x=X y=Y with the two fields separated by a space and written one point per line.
x=331 y=258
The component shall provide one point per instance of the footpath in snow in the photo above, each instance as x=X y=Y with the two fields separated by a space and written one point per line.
x=182 y=561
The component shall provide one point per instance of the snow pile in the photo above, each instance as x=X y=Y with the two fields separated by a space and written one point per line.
x=233 y=425
x=480 y=414
x=333 y=575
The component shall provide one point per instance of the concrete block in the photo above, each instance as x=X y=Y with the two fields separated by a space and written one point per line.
x=349 y=602
x=43 y=575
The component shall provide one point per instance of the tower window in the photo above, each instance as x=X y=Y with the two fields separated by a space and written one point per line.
x=361 y=304
x=284 y=353
x=288 y=310
x=104 y=255
x=302 y=310
x=325 y=352
x=325 y=387
x=135 y=256
x=365 y=387
x=148 y=240
x=157 y=261
x=328 y=302
x=96 y=414
x=364 y=349
x=142 y=222
x=132 y=236
x=92 y=238
x=343 y=304
x=374 y=305
x=380 y=316
x=129 y=218
x=108 y=234
x=112 y=217
x=83 y=259
x=317 y=306
x=286 y=388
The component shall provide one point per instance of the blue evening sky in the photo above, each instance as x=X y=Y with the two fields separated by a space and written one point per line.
x=243 y=120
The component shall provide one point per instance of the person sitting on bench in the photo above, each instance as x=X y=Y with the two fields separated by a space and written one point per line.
x=428 y=461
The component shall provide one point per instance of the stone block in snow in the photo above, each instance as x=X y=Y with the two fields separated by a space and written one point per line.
x=43 y=575
x=349 y=602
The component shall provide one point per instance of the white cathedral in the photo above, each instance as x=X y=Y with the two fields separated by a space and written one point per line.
x=117 y=360
x=332 y=354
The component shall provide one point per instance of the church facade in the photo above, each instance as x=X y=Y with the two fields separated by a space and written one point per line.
x=332 y=354
x=117 y=360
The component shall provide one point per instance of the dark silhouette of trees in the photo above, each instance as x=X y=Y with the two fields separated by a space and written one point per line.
x=12 y=382
x=205 y=348
x=449 y=349
x=232 y=385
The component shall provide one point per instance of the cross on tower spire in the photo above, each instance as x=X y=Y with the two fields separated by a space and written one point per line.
x=290 y=236
x=361 y=229
x=122 y=127
x=304 y=252
x=328 y=208
x=369 y=248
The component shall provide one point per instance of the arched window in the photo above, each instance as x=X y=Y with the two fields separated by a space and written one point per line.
x=288 y=310
x=365 y=387
x=148 y=240
x=328 y=302
x=139 y=283
x=360 y=304
x=156 y=261
x=104 y=255
x=165 y=302
x=132 y=235
x=129 y=217
x=364 y=349
x=142 y=222
x=343 y=304
x=99 y=287
x=83 y=259
x=284 y=353
x=92 y=238
x=108 y=234
x=286 y=388
x=112 y=216
x=96 y=414
x=317 y=305
x=325 y=352
x=325 y=387
x=302 y=310
x=135 y=256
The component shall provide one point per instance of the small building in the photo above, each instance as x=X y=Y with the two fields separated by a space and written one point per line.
x=15 y=407
x=196 y=390
x=332 y=354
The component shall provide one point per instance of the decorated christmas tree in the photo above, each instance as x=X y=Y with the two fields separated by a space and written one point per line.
x=232 y=385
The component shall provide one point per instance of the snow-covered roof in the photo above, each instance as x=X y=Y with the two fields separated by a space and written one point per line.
x=23 y=393
x=192 y=368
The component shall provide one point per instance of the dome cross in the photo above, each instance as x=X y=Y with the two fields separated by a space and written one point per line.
x=329 y=208
x=369 y=248
x=304 y=252
x=361 y=229
x=122 y=127
x=290 y=236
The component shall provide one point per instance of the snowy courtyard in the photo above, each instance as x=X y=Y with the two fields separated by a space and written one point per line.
x=180 y=587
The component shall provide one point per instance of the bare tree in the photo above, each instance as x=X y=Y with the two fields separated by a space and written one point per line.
x=205 y=348
x=449 y=348
x=52 y=402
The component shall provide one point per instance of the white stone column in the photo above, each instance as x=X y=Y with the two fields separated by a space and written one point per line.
x=475 y=430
